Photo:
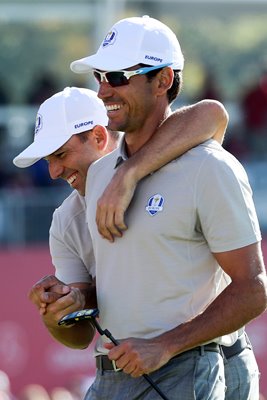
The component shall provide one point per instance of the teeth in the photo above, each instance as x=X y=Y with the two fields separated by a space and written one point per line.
x=113 y=107
x=71 y=179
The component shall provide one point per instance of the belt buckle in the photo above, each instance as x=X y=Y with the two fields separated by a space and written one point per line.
x=115 y=366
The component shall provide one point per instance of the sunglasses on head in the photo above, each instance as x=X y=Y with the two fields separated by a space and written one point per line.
x=121 y=78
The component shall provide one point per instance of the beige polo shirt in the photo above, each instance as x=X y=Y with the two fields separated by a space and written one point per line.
x=70 y=242
x=162 y=272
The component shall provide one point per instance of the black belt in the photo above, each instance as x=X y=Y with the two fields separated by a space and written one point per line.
x=241 y=344
x=105 y=364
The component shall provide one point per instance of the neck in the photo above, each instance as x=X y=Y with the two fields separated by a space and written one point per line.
x=136 y=139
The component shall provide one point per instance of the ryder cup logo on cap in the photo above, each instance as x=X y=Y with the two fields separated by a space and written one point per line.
x=135 y=40
x=38 y=123
x=72 y=111
x=110 y=38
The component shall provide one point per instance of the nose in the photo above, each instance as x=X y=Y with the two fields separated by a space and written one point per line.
x=55 y=169
x=104 y=90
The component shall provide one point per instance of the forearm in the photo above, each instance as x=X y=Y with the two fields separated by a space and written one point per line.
x=185 y=128
x=78 y=336
x=182 y=130
x=90 y=298
x=80 y=296
x=232 y=309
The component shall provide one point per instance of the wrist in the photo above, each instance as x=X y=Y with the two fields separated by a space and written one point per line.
x=164 y=342
x=129 y=172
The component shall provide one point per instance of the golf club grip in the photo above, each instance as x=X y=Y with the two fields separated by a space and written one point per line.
x=147 y=378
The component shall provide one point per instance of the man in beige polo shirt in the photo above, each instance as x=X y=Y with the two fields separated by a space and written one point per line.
x=188 y=273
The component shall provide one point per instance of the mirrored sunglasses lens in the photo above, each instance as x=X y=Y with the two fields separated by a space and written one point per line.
x=116 y=78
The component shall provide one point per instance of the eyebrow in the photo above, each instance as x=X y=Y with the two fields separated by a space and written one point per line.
x=58 y=151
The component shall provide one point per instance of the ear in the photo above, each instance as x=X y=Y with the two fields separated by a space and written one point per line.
x=100 y=137
x=165 y=80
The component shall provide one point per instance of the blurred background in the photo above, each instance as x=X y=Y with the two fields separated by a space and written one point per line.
x=225 y=48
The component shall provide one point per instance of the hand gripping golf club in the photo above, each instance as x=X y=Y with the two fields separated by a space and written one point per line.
x=92 y=314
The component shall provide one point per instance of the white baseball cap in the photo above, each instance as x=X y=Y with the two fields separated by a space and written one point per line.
x=72 y=111
x=133 y=41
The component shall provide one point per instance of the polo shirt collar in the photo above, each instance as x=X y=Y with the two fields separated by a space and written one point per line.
x=122 y=155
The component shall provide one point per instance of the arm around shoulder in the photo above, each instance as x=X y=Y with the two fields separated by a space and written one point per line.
x=218 y=118
x=183 y=129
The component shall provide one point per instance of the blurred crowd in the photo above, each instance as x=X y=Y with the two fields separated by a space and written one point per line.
x=246 y=136
x=74 y=390
x=37 y=175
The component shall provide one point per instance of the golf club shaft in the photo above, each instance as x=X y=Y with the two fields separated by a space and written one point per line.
x=114 y=341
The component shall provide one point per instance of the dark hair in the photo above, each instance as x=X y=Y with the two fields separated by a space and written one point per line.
x=114 y=135
x=83 y=136
x=177 y=84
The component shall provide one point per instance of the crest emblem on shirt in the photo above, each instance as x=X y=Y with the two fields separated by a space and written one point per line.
x=155 y=204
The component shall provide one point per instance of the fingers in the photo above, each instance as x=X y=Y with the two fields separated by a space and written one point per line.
x=71 y=302
x=50 y=297
x=42 y=309
x=47 y=290
x=115 y=200
x=110 y=220
x=110 y=213
x=137 y=356
x=130 y=363
x=59 y=289
x=34 y=296
x=47 y=282
x=119 y=219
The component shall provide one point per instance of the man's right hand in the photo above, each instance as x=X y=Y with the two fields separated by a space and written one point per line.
x=54 y=299
x=46 y=291
x=111 y=206
x=182 y=130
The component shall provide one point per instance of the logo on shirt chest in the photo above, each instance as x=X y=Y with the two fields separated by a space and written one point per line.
x=155 y=204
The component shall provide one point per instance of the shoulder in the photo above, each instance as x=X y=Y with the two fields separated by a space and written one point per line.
x=72 y=208
x=211 y=154
x=74 y=203
x=101 y=171
x=109 y=159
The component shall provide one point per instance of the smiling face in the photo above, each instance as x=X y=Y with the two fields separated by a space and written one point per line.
x=72 y=160
x=138 y=107
x=127 y=105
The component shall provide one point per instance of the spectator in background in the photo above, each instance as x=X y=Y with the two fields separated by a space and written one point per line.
x=39 y=174
x=210 y=89
x=61 y=393
x=34 y=392
x=3 y=97
x=43 y=88
x=5 y=389
x=79 y=385
x=254 y=109
x=3 y=129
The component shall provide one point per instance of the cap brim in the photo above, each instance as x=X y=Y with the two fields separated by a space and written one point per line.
x=103 y=63
x=39 y=149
